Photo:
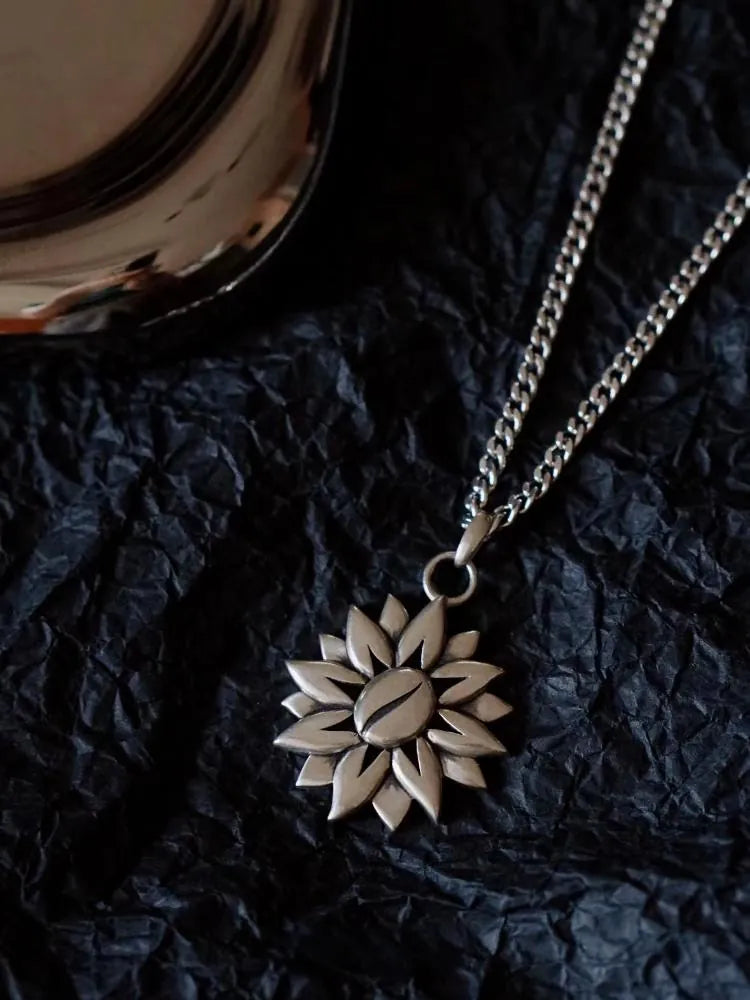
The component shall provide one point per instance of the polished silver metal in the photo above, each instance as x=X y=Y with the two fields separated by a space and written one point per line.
x=416 y=689
x=431 y=590
x=477 y=531
x=394 y=707
x=616 y=375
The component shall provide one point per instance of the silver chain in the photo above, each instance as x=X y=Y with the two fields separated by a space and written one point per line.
x=567 y=263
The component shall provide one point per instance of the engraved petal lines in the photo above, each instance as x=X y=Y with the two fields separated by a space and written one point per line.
x=316 y=678
x=471 y=739
x=426 y=630
x=312 y=734
x=423 y=784
x=338 y=738
x=365 y=640
x=352 y=786
x=472 y=676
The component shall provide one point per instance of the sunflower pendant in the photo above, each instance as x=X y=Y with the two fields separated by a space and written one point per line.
x=391 y=710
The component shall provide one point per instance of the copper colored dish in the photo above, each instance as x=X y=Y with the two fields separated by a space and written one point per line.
x=156 y=150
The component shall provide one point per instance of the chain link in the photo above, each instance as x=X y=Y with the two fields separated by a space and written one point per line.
x=618 y=373
x=582 y=221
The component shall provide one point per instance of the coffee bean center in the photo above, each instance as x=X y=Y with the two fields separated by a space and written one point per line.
x=394 y=707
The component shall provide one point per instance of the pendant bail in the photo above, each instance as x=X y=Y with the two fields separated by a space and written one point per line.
x=481 y=527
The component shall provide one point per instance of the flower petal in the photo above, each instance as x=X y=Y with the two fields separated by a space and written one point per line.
x=352 y=786
x=299 y=704
x=316 y=772
x=391 y=803
x=316 y=678
x=487 y=707
x=394 y=617
x=426 y=630
x=312 y=735
x=425 y=784
x=472 y=676
x=365 y=639
x=471 y=739
x=332 y=648
x=464 y=770
x=459 y=647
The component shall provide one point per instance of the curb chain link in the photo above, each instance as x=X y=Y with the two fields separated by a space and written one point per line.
x=583 y=218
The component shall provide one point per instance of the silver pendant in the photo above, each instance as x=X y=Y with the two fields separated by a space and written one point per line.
x=407 y=693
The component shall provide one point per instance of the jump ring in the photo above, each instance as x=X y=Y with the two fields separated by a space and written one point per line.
x=431 y=590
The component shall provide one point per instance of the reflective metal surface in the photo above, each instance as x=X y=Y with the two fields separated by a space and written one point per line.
x=421 y=704
x=158 y=146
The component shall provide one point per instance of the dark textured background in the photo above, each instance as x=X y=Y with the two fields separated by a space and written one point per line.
x=182 y=510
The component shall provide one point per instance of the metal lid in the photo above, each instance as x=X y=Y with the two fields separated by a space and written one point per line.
x=149 y=142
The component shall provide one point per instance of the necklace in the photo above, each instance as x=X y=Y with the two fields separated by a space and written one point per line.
x=398 y=705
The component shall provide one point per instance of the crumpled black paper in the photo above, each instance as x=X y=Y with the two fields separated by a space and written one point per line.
x=184 y=509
